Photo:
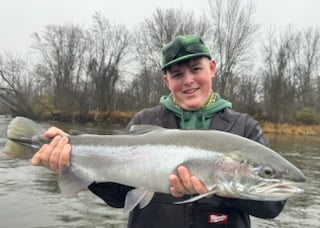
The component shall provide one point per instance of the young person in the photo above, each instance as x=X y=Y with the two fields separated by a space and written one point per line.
x=192 y=104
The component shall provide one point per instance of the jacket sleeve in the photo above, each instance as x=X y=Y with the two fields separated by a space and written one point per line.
x=112 y=194
x=253 y=131
x=261 y=209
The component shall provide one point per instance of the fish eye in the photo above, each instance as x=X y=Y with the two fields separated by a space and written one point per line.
x=267 y=171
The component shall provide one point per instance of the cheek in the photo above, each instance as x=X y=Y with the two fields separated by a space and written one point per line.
x=174 y=86
x=204 y=82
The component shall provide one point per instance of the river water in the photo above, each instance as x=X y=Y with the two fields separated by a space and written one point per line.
x=29 y=196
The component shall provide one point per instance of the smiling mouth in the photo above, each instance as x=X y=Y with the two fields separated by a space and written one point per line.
x=190 y=91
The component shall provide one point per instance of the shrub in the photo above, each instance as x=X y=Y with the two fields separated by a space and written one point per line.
x=307 y=116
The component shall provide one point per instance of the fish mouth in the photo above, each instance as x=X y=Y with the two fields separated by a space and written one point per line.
x=279 y=190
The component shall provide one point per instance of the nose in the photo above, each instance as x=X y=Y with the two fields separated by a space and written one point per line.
x=188 y=78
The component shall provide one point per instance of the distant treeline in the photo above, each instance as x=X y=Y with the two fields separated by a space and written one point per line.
x=77 y=73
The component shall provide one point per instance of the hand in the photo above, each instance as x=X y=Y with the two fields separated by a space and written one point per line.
x=56 y=155
x=184 y=183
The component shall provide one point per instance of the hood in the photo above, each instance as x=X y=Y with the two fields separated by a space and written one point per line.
x=199 y=119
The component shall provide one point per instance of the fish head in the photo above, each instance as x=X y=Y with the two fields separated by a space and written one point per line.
x=269 y=178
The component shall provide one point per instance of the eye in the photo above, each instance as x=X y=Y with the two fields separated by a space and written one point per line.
x=267 y=171
x=196 y=69
x=176 y=75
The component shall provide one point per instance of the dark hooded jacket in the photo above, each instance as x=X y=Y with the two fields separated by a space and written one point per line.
x=209 y=212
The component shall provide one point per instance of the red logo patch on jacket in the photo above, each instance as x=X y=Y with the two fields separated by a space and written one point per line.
x=217 y=218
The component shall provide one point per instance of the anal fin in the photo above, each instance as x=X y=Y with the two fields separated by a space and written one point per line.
x=70 y=184
x=137 y=196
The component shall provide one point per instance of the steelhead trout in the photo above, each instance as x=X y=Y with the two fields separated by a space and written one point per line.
x=229 y=165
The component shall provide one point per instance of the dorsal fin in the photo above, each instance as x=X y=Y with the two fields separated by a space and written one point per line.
x=143 y=128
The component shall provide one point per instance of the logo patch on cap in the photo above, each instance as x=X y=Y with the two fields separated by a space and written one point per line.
x=217 y=218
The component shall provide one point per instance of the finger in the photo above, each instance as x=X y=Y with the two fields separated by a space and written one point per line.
x=54 y=131
x=176 y=188
x=65 y=157
x=184 y=176
x=45 y=152
x=198 y=186
x=36 y=159
x=176 y=193
x=56 y=152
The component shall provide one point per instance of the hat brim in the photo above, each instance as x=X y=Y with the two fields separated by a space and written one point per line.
x=183 y=58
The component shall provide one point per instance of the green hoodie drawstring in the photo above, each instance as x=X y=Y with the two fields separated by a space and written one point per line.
x=203 y=120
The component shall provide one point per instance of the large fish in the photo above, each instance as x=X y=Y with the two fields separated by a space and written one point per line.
x=228 y=165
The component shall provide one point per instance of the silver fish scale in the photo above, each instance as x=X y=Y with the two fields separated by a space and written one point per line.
x=146 y=166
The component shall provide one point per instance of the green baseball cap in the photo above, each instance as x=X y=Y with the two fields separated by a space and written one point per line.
x=183 y=48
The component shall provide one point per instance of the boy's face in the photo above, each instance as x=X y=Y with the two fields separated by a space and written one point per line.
x=190 y=82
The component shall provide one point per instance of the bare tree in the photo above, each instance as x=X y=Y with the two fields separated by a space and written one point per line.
x=278 y=83
x=17 y=93
x=61 y=51
x=248 y=88
x=108 y=49
x=305 y=53
x=233 y=32
x=290 y=72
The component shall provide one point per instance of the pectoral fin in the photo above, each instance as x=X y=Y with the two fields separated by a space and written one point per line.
x=197 y=197
x=139 y=196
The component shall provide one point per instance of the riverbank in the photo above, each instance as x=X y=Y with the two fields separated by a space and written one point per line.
x=268 y=127
x=123 y=118
x=290 y=129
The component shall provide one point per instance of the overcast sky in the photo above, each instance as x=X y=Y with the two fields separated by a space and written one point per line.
x=20 y=18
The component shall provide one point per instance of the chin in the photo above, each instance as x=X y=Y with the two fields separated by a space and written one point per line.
x=192 y=107
x=192 y=104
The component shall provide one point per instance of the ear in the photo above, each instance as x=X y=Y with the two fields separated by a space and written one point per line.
x=213 y=68
x=165 y=80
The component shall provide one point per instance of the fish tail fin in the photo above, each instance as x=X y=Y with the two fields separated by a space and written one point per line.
x=70 y=183
x=19 y=130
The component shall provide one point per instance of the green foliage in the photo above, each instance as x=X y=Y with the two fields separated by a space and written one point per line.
x=307 y=115
x=44 y=106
